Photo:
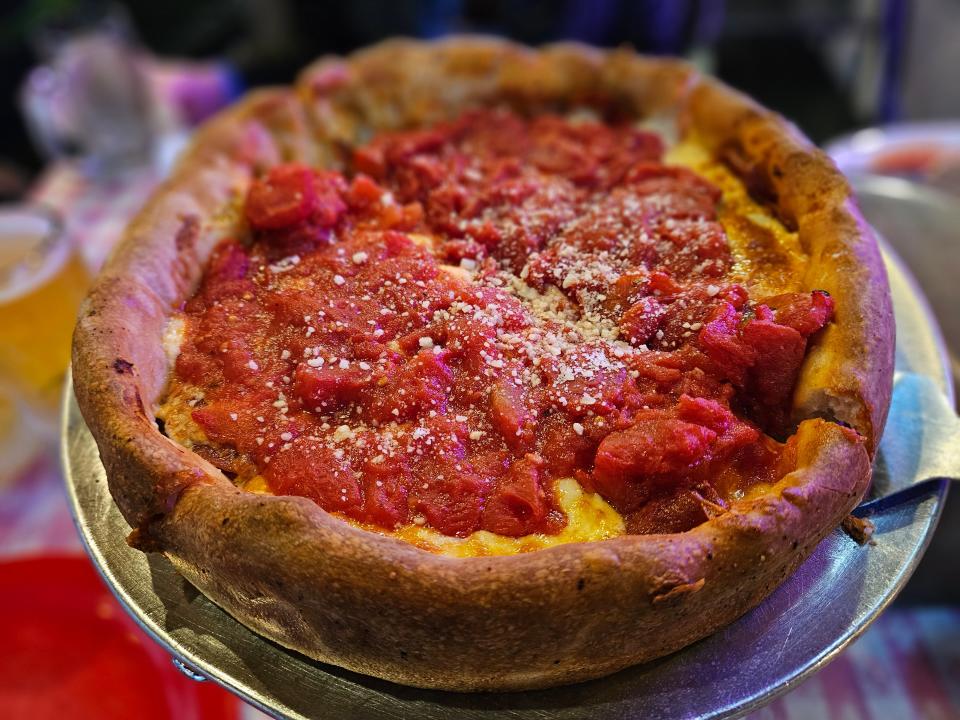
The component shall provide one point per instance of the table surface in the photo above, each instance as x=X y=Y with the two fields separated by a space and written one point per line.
x=906 y=665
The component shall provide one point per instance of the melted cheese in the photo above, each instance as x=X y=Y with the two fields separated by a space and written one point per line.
x=589 y=518
x=175 y=414
x=173 y=338
x=769 y=258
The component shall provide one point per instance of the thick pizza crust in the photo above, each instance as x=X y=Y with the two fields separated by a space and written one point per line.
x=375 y=604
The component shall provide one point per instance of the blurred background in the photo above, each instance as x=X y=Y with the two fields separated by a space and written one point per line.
x=99 y=97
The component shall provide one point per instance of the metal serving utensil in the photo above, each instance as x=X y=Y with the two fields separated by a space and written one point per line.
x=921 y=440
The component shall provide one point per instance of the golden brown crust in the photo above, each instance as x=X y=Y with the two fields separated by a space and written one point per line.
x=379 y=606
x=848 y=373
x=120 y=366
x=375 y=604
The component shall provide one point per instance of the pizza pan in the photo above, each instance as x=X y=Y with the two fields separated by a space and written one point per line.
x=826 y=604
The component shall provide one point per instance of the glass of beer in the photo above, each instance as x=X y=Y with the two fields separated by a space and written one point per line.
x=42 y=281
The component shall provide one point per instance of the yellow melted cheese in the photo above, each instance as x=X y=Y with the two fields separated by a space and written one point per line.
x=589 y=518
x=768 y=257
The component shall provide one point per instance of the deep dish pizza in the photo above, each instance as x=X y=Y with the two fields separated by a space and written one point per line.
x=463 y=357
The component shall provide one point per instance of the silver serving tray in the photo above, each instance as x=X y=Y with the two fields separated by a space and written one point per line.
x=831 y=599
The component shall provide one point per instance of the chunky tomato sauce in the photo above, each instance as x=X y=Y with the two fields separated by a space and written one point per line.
x=480 y=308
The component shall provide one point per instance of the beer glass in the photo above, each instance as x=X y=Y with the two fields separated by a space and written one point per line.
x=42 y=281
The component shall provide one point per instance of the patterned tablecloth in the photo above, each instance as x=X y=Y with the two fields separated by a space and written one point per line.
x=907 y=665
